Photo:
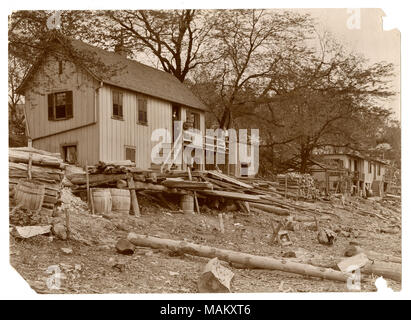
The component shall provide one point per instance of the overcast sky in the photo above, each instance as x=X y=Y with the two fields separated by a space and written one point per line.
x=369 y=40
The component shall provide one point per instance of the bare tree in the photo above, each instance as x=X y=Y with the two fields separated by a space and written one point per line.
x=253 y=44
x=177 y=38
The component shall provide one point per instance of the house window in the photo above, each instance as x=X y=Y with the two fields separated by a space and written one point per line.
x=60 y=105
x=379 y=169
x=131 y=154
x=142 y=111
x=60 y=67
x=369 y=167
x=194 y=118
x=70 y=154
x=117 y=104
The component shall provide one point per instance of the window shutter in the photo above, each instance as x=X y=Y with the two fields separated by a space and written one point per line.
x=69 y=104
x=145 y=111
x=51 y=106
x=120 y=104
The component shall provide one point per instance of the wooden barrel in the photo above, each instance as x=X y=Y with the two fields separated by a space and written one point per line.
x=187 y=203
x=121 y=200
x=29 y=194
x=102 y=200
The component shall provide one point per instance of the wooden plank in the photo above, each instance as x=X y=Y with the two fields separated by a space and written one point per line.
x=38 y=151
x=171 y=183
x=190 y=177
x=95 y=179
x=87 y=184
x=217 y=175
x=37 y=159
x=232 y=195
x=29 y=166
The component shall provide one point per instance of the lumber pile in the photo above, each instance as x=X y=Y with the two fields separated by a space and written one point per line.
x=211 y=188
x=297 y=185
x=37 y=166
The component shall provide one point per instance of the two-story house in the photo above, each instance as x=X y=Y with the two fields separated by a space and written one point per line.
x=91 y=104
x=366 y=172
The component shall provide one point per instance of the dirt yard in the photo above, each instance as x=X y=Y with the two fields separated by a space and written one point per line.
x=94 y=266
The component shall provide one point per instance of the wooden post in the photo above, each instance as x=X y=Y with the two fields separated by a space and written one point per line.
x=67 y=222
x=29 y=166
x=87 y=185
x=327 y=182
x=190 y=177
x=221 y=221
x=134 y=202
x=285 y=191
x=92 y=201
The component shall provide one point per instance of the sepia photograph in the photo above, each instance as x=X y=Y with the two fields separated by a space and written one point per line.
x=192 y=151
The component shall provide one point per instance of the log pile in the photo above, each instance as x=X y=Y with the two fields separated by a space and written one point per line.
x=37 y=166
x=297 y=185
x=211 y=188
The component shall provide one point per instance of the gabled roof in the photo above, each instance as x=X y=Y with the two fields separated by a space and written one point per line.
x=135 y=76
x=358 y=156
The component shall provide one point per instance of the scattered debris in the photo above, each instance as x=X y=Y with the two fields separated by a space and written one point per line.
x=215 y=278
x=67 y=250
x=59 y=230
x=124 y=246
x=32 y=231
x=236 y=257
x=353 y=263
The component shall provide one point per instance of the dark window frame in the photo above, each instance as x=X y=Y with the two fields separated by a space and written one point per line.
x=142 y=111
x=55 y=110
x=117 y=110
x=126 y=148
x=64 y=148
x=60 y=63
x=196 y=119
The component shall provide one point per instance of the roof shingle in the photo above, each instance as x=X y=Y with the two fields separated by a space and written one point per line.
x=141 y=78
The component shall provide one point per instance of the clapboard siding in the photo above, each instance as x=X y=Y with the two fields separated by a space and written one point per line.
x=86 y=139
x=48 y=80
x=115 y=134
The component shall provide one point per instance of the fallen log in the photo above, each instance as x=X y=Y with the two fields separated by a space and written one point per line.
x=19 y=170
x=37 y=159
x=271 y=209
x=387 y=270
x=246 y=259
x=95 y=179
x=38 y=151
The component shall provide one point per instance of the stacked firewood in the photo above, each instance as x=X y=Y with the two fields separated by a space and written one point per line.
x=37 y=166
x=297 y=185
x=109 y=174
x=113 y=167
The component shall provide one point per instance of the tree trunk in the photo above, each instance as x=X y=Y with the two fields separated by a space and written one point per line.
x=271 y=209
x=246 y=259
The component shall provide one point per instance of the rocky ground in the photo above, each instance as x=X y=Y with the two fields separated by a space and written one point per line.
x=89 y=262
